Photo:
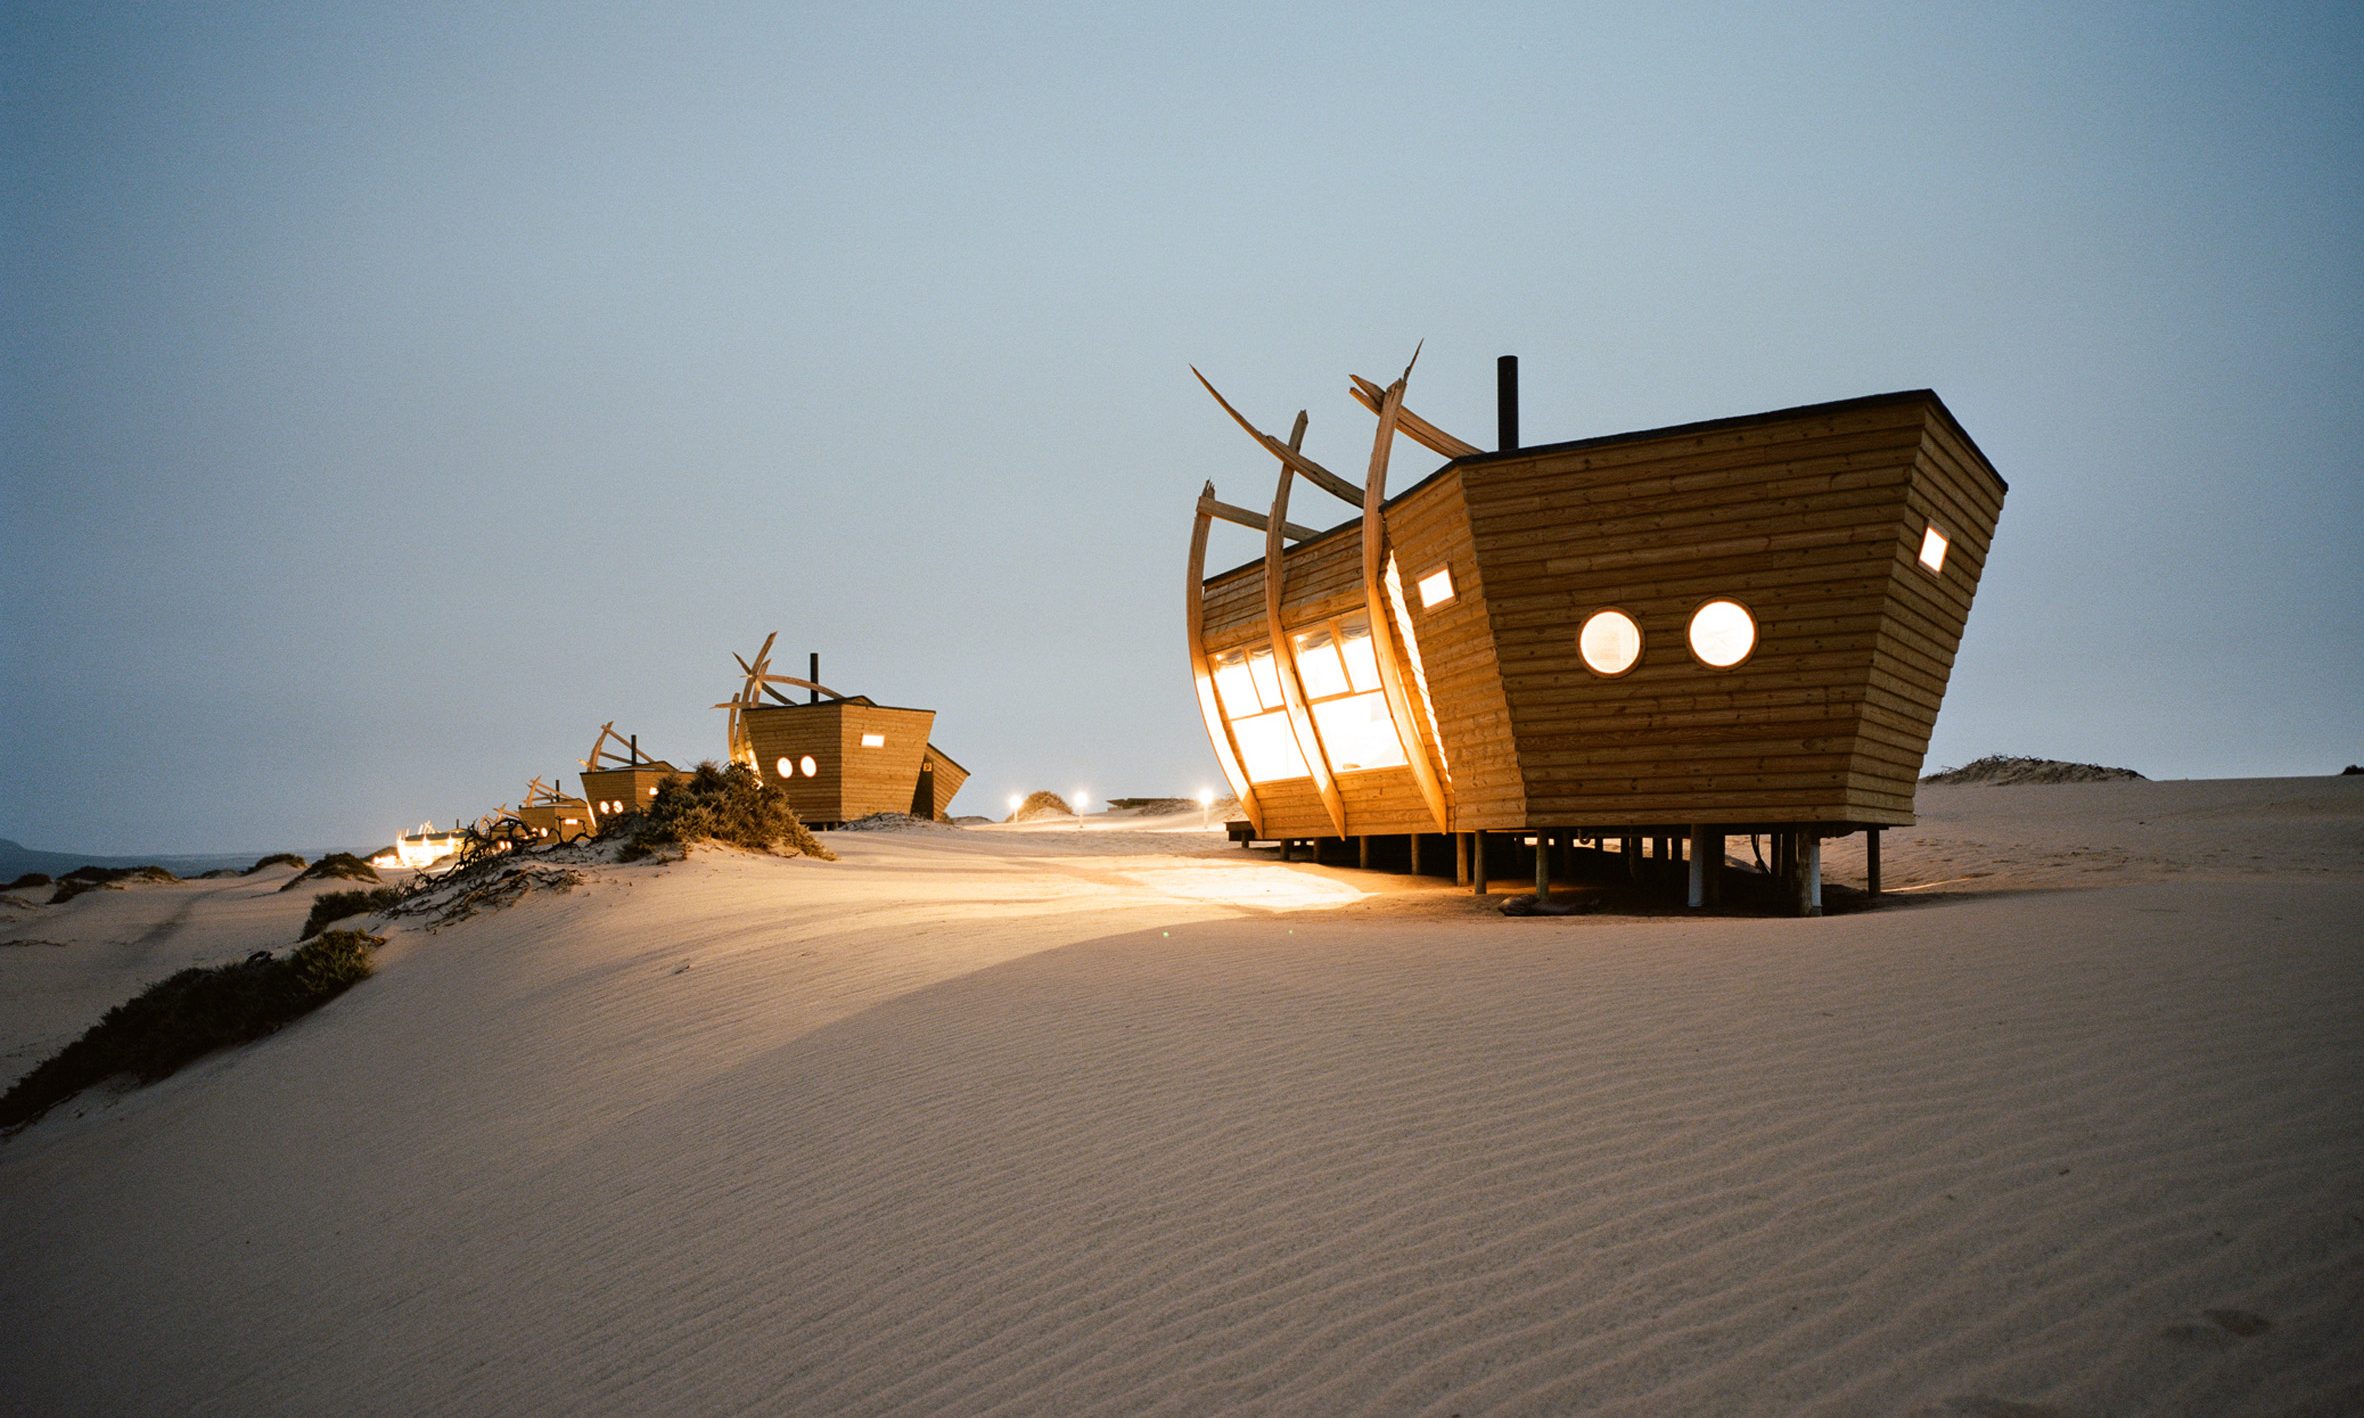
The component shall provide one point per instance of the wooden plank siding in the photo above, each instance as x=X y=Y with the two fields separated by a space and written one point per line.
x=1812 y=518
x=631 y=785
x=948 y=777
x=848 y=781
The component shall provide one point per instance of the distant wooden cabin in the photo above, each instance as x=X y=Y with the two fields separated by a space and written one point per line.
x=1739 y=626
x=618 y=778
x=550 y=815
x=840 y=757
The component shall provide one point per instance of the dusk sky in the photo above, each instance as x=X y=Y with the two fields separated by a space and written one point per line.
x=392 y=394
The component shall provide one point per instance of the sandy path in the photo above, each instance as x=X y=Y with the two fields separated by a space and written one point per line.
x=993 y=1123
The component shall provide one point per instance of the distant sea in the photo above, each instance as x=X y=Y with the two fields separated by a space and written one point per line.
x=16 y=859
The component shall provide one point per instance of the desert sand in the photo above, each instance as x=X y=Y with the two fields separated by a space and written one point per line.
x=1124 y=1119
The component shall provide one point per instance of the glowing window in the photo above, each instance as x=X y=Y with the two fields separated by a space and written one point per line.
x=1610 y=643
x=1933 y=545
x=1267 y=678
x=1318 y=666
x=652 y=792
x=1268 y=748
x=1357 y=732
x=1362 y=662
x=1236 y=686
x=1436 y=588
x=807 y=764
x=874 y=740
x=1722 y=634
x=573 y=821
x=787 y=767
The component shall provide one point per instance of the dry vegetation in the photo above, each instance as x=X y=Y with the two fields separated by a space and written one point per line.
x=188 y=1015
x=717 y=803
x=1042 y=804
x=342 y=865
x=2002 y=769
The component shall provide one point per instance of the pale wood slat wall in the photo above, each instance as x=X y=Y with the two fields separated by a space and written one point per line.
x=949 y=777
x=1796 y=519
x=1952 y=487
x=850 y=781
x=1427 y=528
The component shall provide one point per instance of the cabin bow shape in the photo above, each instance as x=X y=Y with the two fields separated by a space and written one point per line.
x=839 y=757
x=1748 y=623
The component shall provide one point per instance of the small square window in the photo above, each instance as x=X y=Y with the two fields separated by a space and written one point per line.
x=1436 y=588
x=1933 y=545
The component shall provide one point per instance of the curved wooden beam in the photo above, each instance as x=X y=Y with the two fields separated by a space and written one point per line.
x=1203 y=674
x=1284 y=660
x=1399 y=703
x=1410 y=424
x=1288 y=453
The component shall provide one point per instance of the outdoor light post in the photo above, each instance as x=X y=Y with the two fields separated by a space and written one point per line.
x=1206 y=807
x=1081 y=798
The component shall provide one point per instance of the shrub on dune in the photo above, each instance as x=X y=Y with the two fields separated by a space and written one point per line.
x=718 y=803
x=331 y=906
x=1043 y=804
x=276 y=859
x=342 y=865
x=189 y=1015
x=82 y=879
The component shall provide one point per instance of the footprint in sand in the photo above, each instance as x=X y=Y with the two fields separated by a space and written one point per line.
x=2223 y=1330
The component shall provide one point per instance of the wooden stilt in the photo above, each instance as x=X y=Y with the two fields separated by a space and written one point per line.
x=1542 y=868
x=1871 y=860
x=1630 y=848
x=1461 y=859
x=1284 y=849
x=1415 y=840
x=1811 y=851
x=1362 y=851
x=1696 y=895
x=1715 y=869
x=1477 y=863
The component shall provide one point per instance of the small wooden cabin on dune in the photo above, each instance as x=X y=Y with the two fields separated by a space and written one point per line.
x=840 y=757
x=1743 y=626
x=622 y=779
x=550 y=815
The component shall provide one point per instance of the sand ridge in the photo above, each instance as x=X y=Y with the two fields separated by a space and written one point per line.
x=1029 y=1121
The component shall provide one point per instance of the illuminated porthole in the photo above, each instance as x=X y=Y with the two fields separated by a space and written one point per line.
x=787 y=767
x=810 y=767
x=1610 y=643
x=1722 y=634
x=1933 y=546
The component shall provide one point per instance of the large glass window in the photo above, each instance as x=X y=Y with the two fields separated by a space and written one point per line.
x=1248 y=683
x=1339 y=667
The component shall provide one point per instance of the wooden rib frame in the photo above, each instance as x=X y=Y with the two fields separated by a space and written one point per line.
x=1209 y=707
x=1284 y=656
x=1391 y=680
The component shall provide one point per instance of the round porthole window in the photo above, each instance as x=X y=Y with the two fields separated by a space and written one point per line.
x=1722 y=634
x=810 y=767
x=787 y=767
x=1610 y=643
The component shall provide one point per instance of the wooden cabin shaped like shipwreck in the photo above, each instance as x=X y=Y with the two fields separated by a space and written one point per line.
x=622 y=780
x=840 y=757
x=553 y=816
x=1741 y=626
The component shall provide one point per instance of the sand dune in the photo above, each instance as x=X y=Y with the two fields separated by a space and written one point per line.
x=1030 y=1120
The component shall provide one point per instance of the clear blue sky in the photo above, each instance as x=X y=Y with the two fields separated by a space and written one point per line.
x=392 y=394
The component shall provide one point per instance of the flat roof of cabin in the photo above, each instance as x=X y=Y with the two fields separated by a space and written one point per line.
x=858 y=701
x=1606 y=440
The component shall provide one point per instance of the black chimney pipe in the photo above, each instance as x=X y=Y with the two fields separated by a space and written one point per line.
x=815 y=677
x=1506 y=401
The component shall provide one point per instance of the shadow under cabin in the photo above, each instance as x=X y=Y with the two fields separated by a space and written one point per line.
x=1664 y=638
x=839 y=757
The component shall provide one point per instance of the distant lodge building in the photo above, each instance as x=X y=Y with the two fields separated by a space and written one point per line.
x=840 y=757
x=1736 y=627
x=550 y=815
x=622 y=781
